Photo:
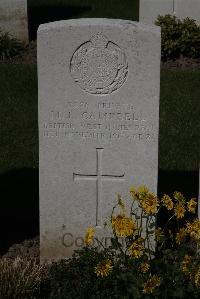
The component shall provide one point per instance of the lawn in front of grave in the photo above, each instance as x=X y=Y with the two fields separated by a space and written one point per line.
x=18 y=117
x=179 y=139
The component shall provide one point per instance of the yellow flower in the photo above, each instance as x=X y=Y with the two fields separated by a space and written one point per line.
x=151 y=284
x=123 y=226
x=181 y=235
x=185 y=264
x=144 y=267
x=197 y=278
x=147 y=200
x=133 y=190
x=143 y=190
x=179 y=196
x=189 y=227
x=179 y=210
x=167 y=201
x=191 y=205
x=194 y=229
x=150 y=204
x=139 y=193
x=159 y=233
x=136 y=249
x=104 y=268
x=89 y=236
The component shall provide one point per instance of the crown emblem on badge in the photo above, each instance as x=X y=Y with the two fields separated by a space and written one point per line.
x=99 y=66
x=99 y=40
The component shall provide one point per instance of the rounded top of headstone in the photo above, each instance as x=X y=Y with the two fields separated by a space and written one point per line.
x=99 y=22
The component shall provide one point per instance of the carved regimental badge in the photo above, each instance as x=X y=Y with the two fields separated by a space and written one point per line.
x=99 y=66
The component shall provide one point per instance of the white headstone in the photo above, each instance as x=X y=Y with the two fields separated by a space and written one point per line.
x=150 y=9
x=99 y=83
x=13 y=18
x=187 y=8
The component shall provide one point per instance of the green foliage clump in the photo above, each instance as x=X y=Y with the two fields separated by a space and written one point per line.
x=141 y=261
x=70 y=278
x=75 y=278
x=131 y=268
x=179 y=37
x=9 y=46
x=20 y=278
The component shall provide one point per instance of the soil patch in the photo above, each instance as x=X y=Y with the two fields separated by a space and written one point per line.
x=27 y=56
x=26 y=249
x=181 y=63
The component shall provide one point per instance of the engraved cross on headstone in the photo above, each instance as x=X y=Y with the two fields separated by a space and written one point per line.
x=99 y=177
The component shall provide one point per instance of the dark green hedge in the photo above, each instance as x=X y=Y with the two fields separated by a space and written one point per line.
x=9 y=46
x=179 y=37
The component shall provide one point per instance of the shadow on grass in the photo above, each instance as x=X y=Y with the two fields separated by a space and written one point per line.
x=186 y=182
x=19 y=208
x=43 y=14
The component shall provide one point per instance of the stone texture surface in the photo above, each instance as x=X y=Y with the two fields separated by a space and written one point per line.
x=99 y=83
x=150 y=9
x=13 y=18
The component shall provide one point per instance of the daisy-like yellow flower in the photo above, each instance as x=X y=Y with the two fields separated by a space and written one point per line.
x=185 y=264
x=194 y=229
x=150 y=204
x=151 y=284
x=189 y=227
x=179 y=210
x=139 y=193
x=179 y=196
x=147 y=200
x=123 y=226
x=137 y=248
x=181 y=235
x=132 y=191
x=144 y=267
x=191 y=205
x=89 y=236
x=104 y=268
x=143 y=191
x=167 y=201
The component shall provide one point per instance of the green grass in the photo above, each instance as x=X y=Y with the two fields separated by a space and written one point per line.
x=179 y=118
x=18 y=117
x=179 y=147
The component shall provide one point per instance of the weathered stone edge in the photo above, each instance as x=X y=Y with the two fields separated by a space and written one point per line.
x=98 y=22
